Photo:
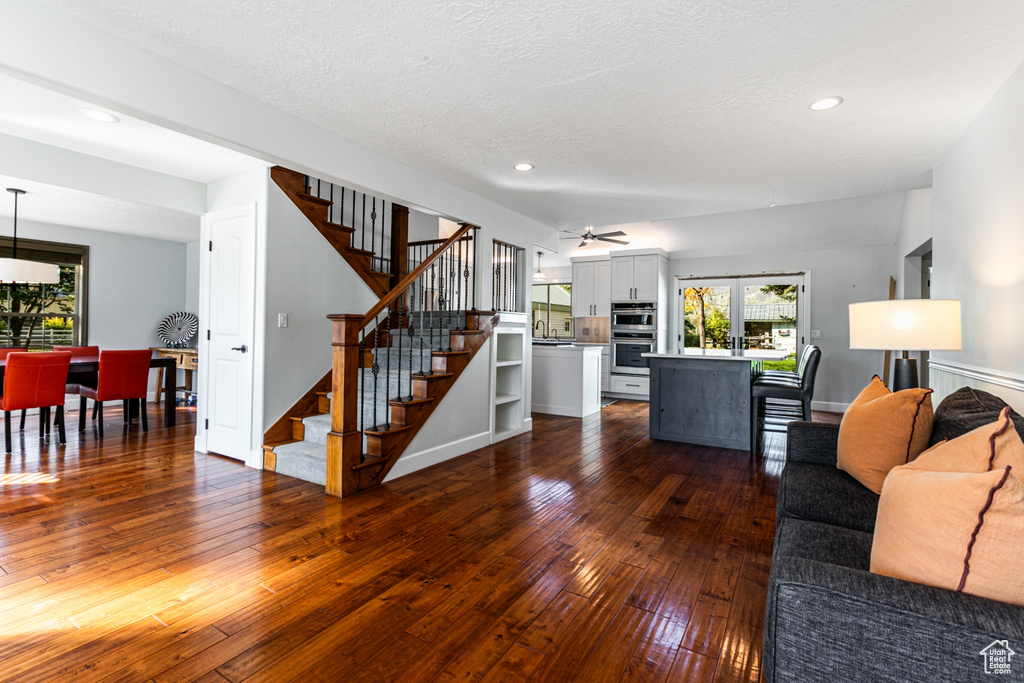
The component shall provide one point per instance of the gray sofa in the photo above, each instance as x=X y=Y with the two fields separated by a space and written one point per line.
x=829 y=618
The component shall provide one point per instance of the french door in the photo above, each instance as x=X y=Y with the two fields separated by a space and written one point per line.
x=755 y=312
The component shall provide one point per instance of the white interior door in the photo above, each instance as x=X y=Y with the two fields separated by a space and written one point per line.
x=231 y=300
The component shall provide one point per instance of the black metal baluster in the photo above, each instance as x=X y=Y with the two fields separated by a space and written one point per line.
x=433 y=307
x=458 y=278
x=341 y=209
x=451 y=295
x=373 y=232
x=387 y=377
x=383 y=227
x=362 y=380
x=400 y=331
x=475 y=264
x=330 y=208
x=376 y=367
x=494 y=277
x=364 y=228
x=465 y=279
x=412 y=331
x=515 y=279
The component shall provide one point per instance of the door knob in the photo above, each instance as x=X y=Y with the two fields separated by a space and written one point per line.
x=241 y=348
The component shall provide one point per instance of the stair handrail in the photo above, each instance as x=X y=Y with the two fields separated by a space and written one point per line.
x=407 y=281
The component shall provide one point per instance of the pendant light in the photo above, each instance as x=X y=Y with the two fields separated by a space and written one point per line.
x=539 y=275
x=20 y=271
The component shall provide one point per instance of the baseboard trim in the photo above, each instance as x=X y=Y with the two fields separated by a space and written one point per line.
x=413 y=462
x=826 y=407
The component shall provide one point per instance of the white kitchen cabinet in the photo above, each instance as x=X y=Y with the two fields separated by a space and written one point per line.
x=639 y=277
x=645 y=277
x=591 y=288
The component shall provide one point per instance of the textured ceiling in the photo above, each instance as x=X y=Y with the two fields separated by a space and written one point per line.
x=62 y=206
x=630 y=110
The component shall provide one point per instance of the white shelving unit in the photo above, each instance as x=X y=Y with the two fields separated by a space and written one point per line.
x=509 y=377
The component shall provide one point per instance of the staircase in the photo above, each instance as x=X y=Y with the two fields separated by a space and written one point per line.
x=417 y=381
x=391 y=366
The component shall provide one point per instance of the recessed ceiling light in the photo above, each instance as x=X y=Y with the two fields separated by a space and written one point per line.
x=827 y=103
x=99 y=115
x=523 y=167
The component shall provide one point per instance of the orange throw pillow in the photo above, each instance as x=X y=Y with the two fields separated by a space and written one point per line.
x=954 y=518
x=881 y=430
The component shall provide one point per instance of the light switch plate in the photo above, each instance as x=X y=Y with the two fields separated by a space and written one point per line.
x=815 y=334
x=282 y=320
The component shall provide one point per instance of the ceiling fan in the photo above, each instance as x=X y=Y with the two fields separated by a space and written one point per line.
x=589 y=237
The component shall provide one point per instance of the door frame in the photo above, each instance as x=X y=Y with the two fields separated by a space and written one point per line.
x=736 y=282
x=253 y=455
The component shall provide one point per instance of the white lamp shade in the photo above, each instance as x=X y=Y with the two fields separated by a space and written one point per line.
x=906 y=324
x=20 y=271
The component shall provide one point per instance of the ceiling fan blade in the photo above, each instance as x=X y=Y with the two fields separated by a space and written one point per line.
x=583 y=243
x=605 y=239
x=571 y=236
x=617 y=233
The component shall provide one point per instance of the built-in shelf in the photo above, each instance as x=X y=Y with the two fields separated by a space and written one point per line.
x=507 y=380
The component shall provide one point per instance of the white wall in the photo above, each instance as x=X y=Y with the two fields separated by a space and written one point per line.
x=192 y=277
x=978 y=232
x=839 y=277
x=459 y=425
x=915 y=231
x=307 y=279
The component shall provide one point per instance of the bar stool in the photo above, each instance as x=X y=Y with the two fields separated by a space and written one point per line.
x=35 y=380
x=123 y=376
x=790 y=400
x=789 y=375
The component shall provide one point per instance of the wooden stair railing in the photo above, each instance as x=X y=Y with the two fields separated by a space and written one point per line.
x=318 y=210
x=435 y=290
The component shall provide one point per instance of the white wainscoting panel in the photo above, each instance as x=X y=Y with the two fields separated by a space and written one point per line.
x=945 y=377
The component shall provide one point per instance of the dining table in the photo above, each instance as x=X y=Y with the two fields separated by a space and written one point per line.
x=84 y=367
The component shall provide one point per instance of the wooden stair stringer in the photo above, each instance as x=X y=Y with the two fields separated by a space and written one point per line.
x=315 y=209
x=391 y=446
x=282 y=431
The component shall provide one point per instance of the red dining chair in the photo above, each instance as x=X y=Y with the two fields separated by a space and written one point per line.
x=88 y=380
x=123 y=376
x=35 y=380
x=3 y=355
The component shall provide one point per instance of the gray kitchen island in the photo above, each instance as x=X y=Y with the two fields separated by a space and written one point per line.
x=702 y=396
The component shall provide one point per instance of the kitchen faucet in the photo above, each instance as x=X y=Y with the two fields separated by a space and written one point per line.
x=545 y=327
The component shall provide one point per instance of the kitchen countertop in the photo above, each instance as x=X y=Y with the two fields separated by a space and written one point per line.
x=724 y=354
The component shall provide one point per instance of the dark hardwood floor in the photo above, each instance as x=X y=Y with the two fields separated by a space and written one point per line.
x=582 y=551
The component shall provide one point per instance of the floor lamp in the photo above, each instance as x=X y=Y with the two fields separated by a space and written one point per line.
x=908 y=325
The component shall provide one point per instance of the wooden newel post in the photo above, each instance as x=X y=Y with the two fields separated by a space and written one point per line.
x=344 y=442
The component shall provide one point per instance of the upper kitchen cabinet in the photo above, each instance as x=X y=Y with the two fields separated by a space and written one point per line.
x=639 y=276
x=591 y=288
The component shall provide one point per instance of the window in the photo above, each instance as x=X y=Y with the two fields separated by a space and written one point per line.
x=40 y=316
x=552 y=311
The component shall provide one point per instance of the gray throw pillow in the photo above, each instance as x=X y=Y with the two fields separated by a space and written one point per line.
x=967 y=409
